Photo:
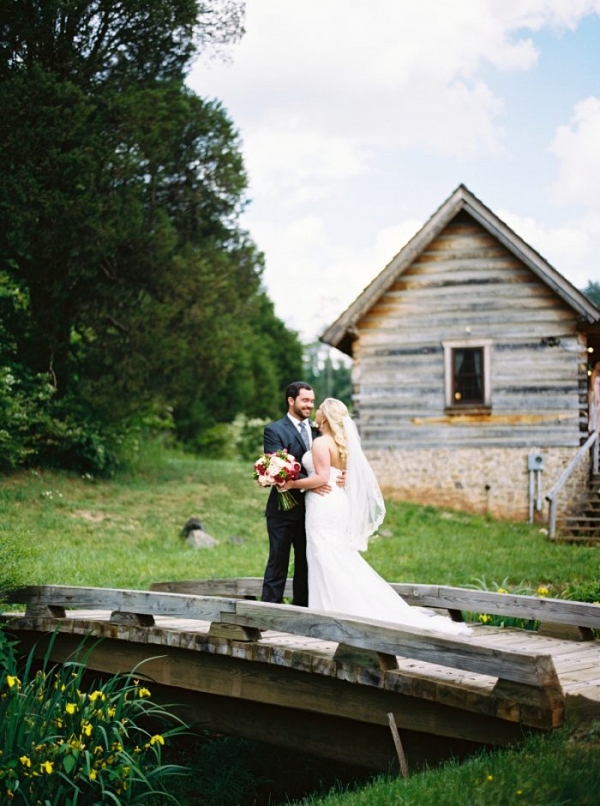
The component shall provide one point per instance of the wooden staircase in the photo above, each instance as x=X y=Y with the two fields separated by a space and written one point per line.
x=583 y=522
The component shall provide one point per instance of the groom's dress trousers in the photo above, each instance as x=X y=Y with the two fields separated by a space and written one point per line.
x=286 y=528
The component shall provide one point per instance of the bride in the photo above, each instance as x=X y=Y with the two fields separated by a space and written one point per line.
x=338 y=527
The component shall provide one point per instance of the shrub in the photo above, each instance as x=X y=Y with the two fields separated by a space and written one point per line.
x=22 y=398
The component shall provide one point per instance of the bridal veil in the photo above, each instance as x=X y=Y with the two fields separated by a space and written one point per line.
x=367 y=508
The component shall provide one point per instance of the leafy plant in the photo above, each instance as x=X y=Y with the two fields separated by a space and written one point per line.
x=64 y=744
x=505 y=587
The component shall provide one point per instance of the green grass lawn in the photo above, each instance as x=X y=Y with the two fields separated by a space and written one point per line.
x=125 y=533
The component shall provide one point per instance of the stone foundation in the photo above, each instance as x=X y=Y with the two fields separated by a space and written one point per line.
x=491 y=481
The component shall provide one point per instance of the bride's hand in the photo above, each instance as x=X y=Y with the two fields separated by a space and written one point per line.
x=341 y=479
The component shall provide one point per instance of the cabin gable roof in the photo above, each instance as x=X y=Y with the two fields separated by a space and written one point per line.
x=342 y=332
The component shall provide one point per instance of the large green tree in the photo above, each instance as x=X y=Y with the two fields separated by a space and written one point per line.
x=132 y=285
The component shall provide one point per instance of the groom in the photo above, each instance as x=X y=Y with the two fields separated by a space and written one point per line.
x=286 y=528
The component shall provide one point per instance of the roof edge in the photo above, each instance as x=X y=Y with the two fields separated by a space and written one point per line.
x=341 y=332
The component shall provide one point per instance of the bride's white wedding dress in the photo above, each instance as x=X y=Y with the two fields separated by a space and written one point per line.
x=341 y=580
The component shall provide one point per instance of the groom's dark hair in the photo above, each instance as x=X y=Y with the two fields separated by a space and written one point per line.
x=293 y=389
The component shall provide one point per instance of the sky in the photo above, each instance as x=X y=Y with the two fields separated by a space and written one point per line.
x=358 y=118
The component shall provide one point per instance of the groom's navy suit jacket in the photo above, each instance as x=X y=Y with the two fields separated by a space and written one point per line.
x=284 y=434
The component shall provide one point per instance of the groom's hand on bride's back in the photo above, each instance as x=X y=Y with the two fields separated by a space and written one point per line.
x=324 y=489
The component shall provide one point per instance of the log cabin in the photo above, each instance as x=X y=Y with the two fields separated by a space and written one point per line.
x=472 y=362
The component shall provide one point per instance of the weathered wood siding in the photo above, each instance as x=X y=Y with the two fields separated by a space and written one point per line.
x=467 y=279
x=467 y=286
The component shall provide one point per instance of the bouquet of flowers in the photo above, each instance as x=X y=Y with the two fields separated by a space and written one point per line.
x=274 y=469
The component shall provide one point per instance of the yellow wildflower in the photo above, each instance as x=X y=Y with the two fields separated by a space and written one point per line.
x=144 y=692
x=543 y=591
x=93 y=774
x=47 y=767
x=25 y=761
x=484 y=618
x=502 y=590
x=86 y=728
x=13 y=681
x=70 y=707
x=157 y=738
x=97 y=695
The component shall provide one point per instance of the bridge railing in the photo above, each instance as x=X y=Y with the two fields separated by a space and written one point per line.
x=530 y=676
x=456 y=601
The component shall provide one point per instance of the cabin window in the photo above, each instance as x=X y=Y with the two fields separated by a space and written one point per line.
x=467 y=367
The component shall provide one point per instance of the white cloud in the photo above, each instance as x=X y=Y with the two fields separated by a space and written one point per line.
x=300 y=165
x=390 y=240
x=312 y=278
x=568 y=248
x=577 y=147
x=349 y=110
x=537 y=14
x=317 y=86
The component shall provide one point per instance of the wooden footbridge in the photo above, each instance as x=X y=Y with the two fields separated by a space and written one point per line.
x=362 y=692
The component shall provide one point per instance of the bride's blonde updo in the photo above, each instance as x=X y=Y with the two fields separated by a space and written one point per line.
x=334 y=411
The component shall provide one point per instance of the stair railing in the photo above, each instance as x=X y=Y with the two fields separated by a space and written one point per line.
x=590 y=447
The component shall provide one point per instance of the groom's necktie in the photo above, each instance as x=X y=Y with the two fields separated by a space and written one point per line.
x=304 y=435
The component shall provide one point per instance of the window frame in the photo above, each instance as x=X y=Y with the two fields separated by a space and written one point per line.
x=461 y=344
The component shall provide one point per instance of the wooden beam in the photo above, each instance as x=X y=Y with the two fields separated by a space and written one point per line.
x=445 y=597
x=277 y=686
x=582 y=614
x=131 y=601
x=431 y=647
x=380 y=637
